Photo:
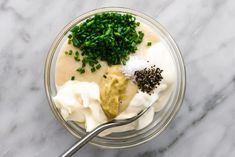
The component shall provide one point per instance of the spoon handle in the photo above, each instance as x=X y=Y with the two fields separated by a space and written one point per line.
x=84 y=140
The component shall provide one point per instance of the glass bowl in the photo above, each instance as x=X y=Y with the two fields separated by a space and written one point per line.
x=129 y=138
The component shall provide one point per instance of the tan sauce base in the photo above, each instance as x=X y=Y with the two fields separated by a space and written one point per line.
x=66 y=65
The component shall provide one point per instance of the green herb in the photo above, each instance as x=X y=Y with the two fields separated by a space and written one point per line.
x=76 y=58
x=70 y=36
x=109 y=37
x=81 y=70
x=76 y=53
x=149 y=43
x=73 y=77
x=98 y=66
x=105 y=76
x=66 y=53
x=70 y=52
x=93 y=69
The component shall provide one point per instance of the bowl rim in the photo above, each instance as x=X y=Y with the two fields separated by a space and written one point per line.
x=85 y=15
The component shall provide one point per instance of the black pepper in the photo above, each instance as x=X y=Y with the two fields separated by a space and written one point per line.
x=148 y=79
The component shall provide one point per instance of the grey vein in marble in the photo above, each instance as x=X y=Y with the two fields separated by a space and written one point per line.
x=204 y=31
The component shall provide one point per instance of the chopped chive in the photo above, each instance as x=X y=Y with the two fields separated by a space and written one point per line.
x=83 y=64
x=70 y=36
x=76 y=53
x=76 y=58
x=73 y=77
x=81 y=70
x=93 y=69
x=70 y=52
x=98 y=66
x=149 y=43
x=109 y=37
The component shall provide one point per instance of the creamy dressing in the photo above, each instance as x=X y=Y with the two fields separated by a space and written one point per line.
x=157 y=54
x=66 y=68
x=66 y=65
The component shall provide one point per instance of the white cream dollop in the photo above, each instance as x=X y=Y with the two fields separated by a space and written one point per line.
x=158 y=54
x=139 y=102
x=80 y=102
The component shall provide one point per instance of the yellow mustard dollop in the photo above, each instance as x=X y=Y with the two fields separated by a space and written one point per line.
x=113 y=90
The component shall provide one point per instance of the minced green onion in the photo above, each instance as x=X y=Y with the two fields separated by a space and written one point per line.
x=98 y=66
x=76 y=53
x=73 y=78
x=70 y=52
x=81 y=70
x=149 y=43
x=93 y=69
x=70 y=36
x=76 y=58
x=109 y=37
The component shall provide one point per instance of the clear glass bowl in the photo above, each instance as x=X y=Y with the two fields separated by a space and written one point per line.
x=130 y=138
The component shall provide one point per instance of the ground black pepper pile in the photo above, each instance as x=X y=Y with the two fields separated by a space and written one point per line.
x=148 y=78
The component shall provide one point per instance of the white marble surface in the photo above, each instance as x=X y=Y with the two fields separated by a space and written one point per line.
x=205 y=32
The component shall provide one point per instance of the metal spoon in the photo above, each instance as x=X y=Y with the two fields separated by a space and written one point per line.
x=89 y=136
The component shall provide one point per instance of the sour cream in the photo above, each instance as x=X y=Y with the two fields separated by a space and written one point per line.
x=140 y=102
x=80 y=102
